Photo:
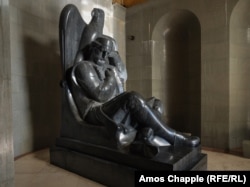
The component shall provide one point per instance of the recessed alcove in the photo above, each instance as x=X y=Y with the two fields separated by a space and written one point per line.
x=176 y=64
x=239 y=67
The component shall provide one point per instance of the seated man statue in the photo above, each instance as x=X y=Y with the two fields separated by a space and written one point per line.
x=96 y=81
x=107 y=132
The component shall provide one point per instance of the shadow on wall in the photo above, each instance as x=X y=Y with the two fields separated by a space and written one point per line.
x=43 y=73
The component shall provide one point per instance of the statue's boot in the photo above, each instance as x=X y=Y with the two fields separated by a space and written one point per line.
x=182 y=139
x=172 y=136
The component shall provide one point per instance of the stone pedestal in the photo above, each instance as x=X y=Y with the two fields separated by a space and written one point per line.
x=116 y=168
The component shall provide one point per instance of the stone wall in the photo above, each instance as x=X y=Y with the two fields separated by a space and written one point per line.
x=222 y=123
x=6 y=135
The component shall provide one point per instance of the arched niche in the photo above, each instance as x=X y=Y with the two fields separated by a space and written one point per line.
x=239 y=76
x=176 y=69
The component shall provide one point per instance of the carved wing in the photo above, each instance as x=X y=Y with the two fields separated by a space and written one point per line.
x=71 y=26
x=75 y=35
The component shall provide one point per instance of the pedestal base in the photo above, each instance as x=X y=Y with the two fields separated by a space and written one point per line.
x=115 y=168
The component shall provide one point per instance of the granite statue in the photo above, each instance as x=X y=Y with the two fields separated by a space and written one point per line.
x=94 y=83
x=105 y=128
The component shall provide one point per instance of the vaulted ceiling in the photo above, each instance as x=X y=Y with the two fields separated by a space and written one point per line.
x=128 y=3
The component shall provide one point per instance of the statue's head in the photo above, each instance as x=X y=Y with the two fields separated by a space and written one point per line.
x=104 y=43
x=100 y=49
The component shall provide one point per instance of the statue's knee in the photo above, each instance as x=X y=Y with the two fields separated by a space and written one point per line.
x=158 y=106
x=135 y=100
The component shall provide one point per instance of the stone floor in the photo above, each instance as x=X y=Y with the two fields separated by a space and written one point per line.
x=34 y=170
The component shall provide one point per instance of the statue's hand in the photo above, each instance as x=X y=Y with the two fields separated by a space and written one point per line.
x=113 y=54
x=109 y=72
x=115 y=60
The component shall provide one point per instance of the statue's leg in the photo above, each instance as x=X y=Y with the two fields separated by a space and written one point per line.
x=117 y=122
x=134 y=104
x=156 y=105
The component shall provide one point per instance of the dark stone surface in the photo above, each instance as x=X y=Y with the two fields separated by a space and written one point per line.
x=97 y=150
x=169 y=158
x=118 y=169
x=93 y=92
x=94 y=168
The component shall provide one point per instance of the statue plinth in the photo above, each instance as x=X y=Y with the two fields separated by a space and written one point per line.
x=117 y=168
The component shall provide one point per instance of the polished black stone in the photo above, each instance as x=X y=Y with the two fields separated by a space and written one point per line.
x=107 y=150
x=169 y=158
x=110 y=167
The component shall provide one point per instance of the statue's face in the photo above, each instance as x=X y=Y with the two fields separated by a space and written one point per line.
x=99 y=56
